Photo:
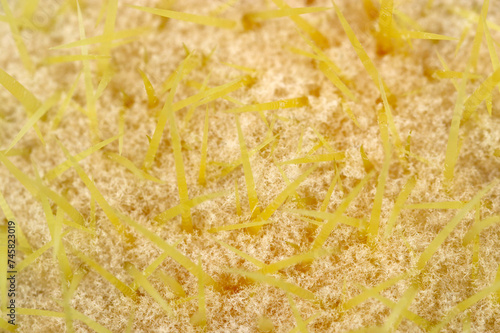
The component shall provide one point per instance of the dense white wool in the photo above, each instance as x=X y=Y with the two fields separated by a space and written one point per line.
x=422 y=105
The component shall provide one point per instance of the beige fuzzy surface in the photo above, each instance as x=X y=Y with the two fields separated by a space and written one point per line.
x=424 y=107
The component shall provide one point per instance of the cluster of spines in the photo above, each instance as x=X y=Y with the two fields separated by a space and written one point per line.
x=389 y=36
